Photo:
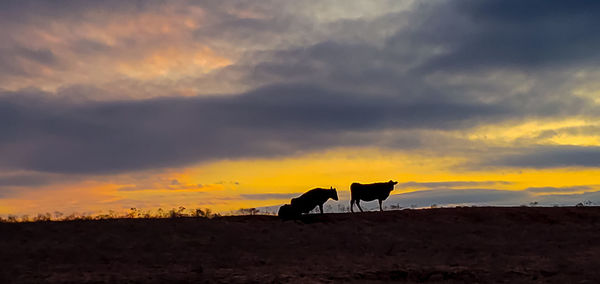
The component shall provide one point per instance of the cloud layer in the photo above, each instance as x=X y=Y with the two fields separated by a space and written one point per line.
x=109 y=87
x=333 y=90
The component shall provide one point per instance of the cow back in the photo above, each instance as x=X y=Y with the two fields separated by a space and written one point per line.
x=310 y=199
x=372 y=191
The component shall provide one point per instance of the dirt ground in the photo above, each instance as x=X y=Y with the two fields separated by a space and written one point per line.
x=454 y=245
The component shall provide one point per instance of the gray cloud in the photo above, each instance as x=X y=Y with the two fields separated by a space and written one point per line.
x=29 y=10
x=552 y=189
x=450 y=184
x=13 y=60
x=13 y=183
x=549 y=157
x=54 y=135
x=92 y=137
x=426 y=198
x=27 y=180
x=511 y=34
x=589 y=130
x=569 y=199
x=334 y=88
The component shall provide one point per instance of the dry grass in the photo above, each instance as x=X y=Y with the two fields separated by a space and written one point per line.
x=453 y=245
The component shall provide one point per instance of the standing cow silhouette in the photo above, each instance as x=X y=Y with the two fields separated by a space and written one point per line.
x=369 y=192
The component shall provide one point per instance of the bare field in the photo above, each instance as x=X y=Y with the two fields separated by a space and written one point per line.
x=454 y=245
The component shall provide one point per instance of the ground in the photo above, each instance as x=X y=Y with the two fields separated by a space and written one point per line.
x=453 y=245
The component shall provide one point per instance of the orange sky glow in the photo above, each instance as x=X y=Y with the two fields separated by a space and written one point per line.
x=238 y=105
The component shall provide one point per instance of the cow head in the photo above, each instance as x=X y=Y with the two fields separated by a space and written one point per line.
x=392 y=183
x=334 y=195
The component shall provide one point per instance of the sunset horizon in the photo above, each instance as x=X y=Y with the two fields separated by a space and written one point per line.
x=112 y=105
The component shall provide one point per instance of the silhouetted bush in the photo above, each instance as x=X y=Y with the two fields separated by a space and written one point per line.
x=133 y=212
x=177 y=213
x=206 y=213
x=42 y=217
x=248 y=211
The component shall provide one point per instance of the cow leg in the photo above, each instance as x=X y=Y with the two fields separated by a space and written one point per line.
x=358 y=204
x=321 y=208
x=380 y=208
x=352 y=205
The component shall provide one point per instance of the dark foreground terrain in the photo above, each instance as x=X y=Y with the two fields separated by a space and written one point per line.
x=557 y=245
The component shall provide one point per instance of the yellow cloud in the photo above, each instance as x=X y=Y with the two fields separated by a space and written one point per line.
x=525 y=133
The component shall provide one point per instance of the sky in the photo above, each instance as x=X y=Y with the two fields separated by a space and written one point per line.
x=113 y=104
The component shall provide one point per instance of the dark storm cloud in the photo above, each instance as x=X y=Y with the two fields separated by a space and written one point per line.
x=57 y=136
x=370 y=70
x=514 y=34
x=26 y=180
x=328 y=91
x=550 y=157
x=459 y=36
x=22 y=10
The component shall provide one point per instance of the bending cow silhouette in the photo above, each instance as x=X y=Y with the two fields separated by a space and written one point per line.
x=369 y=192
x=312 y=198
x=287 y=212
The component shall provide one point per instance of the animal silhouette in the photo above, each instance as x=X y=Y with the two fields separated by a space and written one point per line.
x=369 y=192
x=287 y=212
x=312 y=198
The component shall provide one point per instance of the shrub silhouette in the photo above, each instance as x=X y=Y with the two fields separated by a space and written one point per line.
x=133 y=212
x=248 y=211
